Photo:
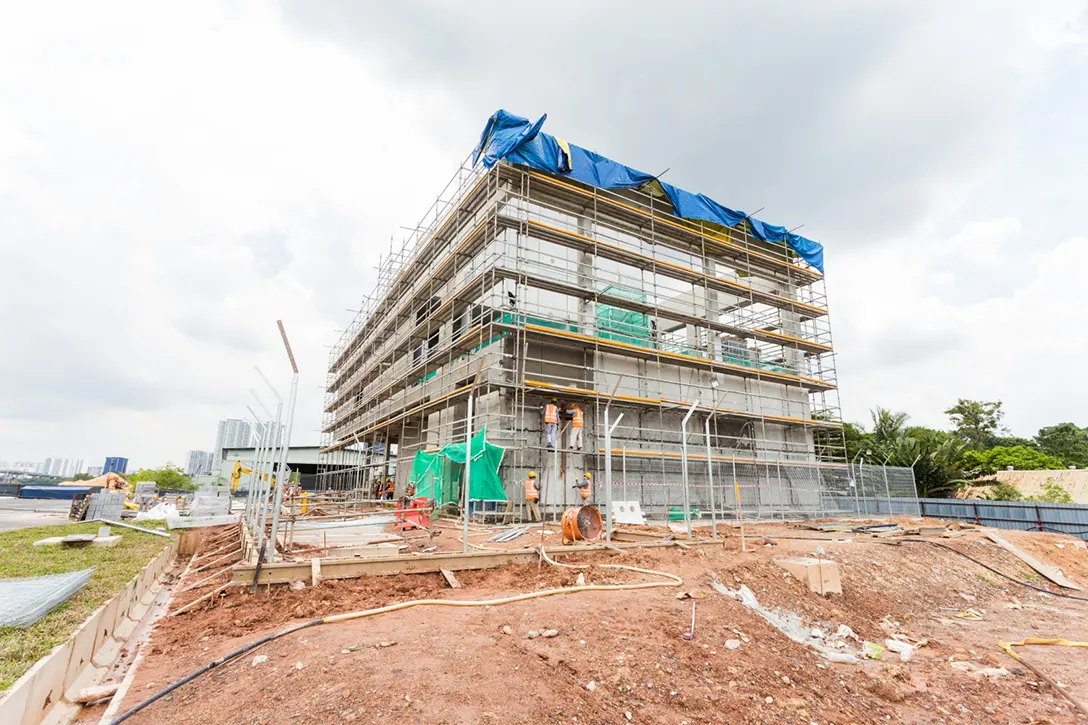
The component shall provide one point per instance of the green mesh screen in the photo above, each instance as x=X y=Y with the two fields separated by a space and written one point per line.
x=616 y=323
x=437 y=474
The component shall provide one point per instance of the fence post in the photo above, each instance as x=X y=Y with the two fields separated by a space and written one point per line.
x=922 y=507
x=1038 y=517
x=975 y=505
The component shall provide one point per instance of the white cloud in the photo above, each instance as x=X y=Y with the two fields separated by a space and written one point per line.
x=173 y=179
x=169 y=187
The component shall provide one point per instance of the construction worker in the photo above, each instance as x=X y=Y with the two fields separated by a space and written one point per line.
x=585 y=486
x=388 y=489
x=410 y=492
x=577 y=423
x=551 y=421
x=532 y=495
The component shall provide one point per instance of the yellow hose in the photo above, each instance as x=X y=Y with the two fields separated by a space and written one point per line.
x=675 y=581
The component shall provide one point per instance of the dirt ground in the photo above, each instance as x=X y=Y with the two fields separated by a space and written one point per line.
x=621 y=656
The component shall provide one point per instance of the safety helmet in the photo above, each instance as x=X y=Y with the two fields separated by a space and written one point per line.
x=555 y=400
x=587 y=474
x=532 y=474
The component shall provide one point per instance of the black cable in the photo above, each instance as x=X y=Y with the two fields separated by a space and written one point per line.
x=313 y=623
x=1011 y=578
x=222 y=660
x=897 y=541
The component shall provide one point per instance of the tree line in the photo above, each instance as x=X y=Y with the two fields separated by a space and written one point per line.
x=976 y=446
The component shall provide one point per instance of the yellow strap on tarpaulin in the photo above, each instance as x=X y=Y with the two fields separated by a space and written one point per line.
x=1007 y=646
x=567 y=162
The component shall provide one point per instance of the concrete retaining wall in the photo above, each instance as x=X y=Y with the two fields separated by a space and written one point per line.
x=43 y=694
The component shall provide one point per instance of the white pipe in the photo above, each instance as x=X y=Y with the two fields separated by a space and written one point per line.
x=684 y=467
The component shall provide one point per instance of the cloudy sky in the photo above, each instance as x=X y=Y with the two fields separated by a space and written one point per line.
x=176 y=177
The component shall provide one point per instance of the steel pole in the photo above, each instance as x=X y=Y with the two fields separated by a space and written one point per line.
x=684 y=466
x=282 y=479
x=710 y=480
x=608 y=428
x=468 y=476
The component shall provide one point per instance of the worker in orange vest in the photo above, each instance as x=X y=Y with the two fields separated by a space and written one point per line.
x=532 y=495
x=577 y=423
x=388 y=489
x=551 y=421
x=585 y=486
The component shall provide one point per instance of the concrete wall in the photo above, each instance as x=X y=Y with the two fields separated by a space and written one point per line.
x=45 y=692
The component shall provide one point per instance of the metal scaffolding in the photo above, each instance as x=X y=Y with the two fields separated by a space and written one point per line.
x=711 y=349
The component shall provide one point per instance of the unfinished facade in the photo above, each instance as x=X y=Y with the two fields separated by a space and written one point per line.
x=522 y=286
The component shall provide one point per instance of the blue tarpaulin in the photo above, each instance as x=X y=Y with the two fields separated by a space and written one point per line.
x=520 y=141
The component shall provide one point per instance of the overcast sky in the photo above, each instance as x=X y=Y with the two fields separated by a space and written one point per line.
x=176 y=177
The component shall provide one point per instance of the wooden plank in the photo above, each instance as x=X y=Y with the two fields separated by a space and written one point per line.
x=1050 y=572
x=287 y=572
x=450 y=579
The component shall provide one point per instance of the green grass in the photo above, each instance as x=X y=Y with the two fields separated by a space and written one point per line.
x=21 y=648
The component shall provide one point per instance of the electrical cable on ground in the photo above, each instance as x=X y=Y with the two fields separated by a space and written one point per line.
x=674 y=581
x=946 y=547
x=1008 y=647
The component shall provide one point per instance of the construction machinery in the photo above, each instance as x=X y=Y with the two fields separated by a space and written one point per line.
x=236 y=476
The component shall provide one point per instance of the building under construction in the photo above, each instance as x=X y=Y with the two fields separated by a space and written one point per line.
x=546 y=271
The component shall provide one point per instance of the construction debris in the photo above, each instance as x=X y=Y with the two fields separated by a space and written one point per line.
x=790 y=625
x=821 y=575
x=1050 y=572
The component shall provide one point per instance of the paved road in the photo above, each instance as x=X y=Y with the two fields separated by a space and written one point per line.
x=19 y=513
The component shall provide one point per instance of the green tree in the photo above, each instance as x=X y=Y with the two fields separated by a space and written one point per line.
x=82 y=477
x=165 y=477
x=1066 y=441
x=1021 y=458
x=887 y=427
x=976 y=422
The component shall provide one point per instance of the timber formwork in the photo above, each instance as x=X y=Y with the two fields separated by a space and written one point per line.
x=520 y=286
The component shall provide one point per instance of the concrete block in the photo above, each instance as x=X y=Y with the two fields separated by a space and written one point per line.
x=820 y=575
x=106 y=542
x=46 y=684
x=106 y=625
x=628 y=512
x=15 y=700
x=82 y=642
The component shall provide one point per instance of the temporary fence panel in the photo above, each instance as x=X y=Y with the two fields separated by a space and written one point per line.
x=1057 y=518
x=25 y=600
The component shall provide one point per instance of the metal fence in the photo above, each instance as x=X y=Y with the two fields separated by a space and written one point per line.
x=1061 y=518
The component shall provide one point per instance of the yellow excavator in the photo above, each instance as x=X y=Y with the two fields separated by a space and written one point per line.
x=236 y=476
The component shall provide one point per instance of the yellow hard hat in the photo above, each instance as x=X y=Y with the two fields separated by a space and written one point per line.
x=532 y=474
x=587 y=474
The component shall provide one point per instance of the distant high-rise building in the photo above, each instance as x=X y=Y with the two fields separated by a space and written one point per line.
x=94 y=471
x=115 y=464
x=231 y=433
x=200 y=463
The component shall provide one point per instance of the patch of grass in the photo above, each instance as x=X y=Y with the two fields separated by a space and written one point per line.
x=21 y=648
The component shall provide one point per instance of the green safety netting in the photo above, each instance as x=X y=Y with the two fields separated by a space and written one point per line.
x=437 y=474
x=616 y=323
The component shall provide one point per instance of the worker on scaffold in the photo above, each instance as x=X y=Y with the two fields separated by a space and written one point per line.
x=532 y=495
x=577 y=424
x=551 y=421
x=585 y=486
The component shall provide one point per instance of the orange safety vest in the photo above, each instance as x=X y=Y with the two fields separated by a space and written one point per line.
x=532 y=493
x=579 y=418
x=585 y=489
x=388 y=487
x=551 y=414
